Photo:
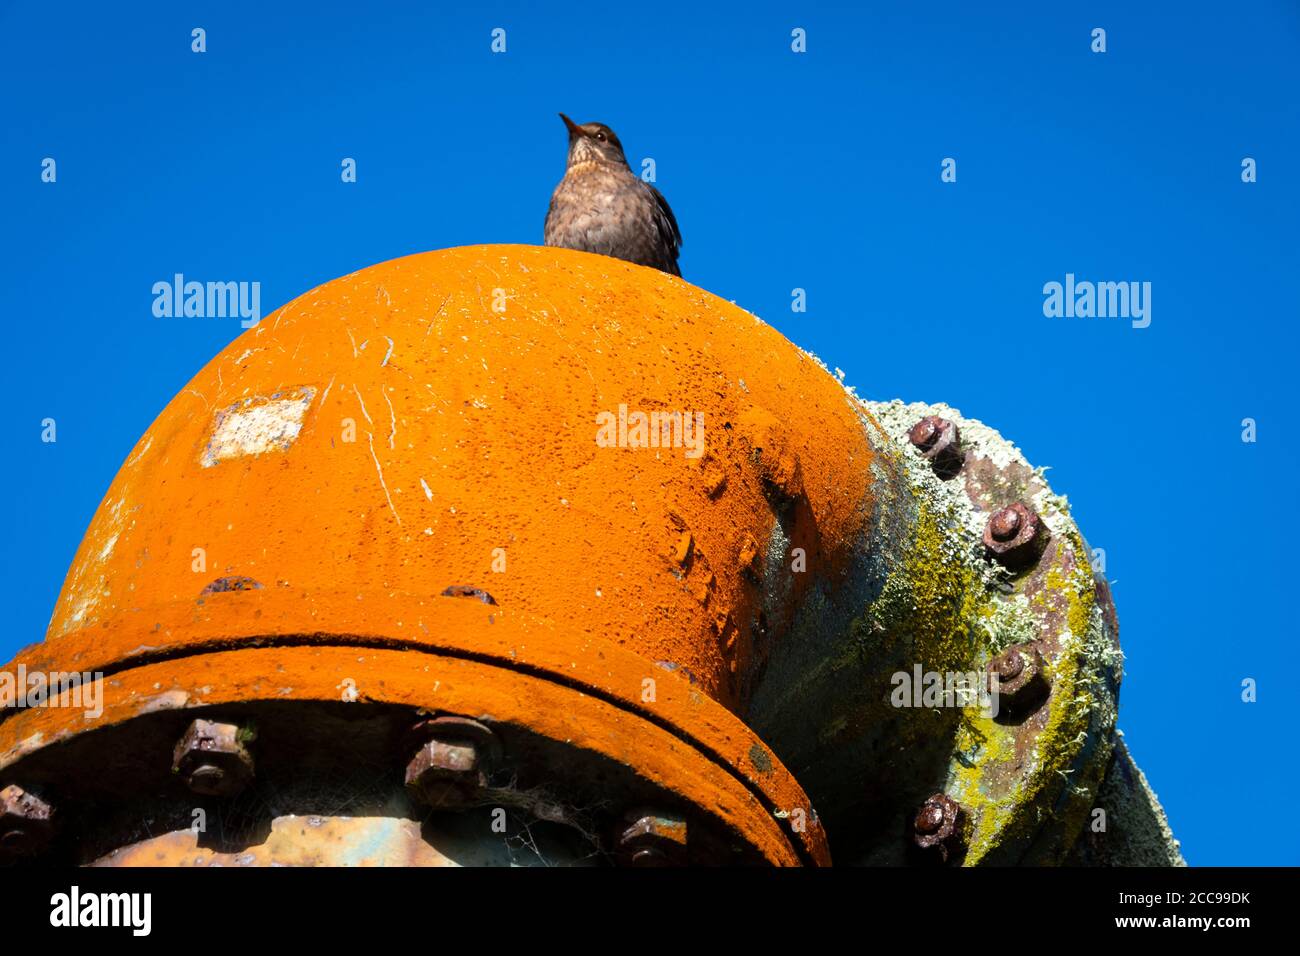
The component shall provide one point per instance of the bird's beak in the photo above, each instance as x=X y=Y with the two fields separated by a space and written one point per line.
x=574 y=129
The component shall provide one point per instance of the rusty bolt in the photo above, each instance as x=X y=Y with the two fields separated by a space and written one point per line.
x=652 y=838
x=1015 y=536
x=939 y=442
x=26 y=823
x=1018 y=678
x=212 y=759
x=1005 y=524
x=929 y=819
x=937 y=828
x=1007 y=667
x=924 y=433
x=465 y=590
x=452 y=763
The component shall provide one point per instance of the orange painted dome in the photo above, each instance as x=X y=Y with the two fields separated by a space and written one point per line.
x=569 y=433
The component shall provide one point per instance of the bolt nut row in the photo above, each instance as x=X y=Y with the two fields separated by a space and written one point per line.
x=1015 y=536
x=451 y=766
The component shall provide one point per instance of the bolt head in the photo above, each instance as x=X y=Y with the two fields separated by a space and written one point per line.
x=212 y=760
x=929 y=819
x=1015 y=537
x=939 y=442
x=924 y=433
x=1008 y=666
x=1019 y=678
x=451 y=766
x=1005 y=524
x=938 y=830
x=26 y=823
x=442 y=759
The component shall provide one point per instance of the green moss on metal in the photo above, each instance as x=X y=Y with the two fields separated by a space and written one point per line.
x=942 y=605
x=1062 y=781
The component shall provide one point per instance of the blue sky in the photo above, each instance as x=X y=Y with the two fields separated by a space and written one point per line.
x=819 y=171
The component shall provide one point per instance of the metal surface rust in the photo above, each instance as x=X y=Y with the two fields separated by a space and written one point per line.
x=620 y=540
x=440 y=435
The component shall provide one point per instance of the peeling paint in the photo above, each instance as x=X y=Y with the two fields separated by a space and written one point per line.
x=254 y=426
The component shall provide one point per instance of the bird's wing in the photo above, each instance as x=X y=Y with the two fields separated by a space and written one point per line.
x=548 y=227
x=666 y=222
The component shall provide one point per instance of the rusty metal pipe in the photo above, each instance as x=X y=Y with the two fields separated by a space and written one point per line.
x=666 y=562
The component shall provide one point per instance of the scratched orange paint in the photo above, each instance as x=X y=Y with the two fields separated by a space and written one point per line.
x=471 y=381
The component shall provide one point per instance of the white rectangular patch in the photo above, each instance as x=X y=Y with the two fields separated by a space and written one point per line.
x=258 y=424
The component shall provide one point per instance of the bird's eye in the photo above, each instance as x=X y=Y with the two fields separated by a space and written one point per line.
x=601 y=137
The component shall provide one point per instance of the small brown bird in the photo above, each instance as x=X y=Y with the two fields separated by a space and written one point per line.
x=602 y=206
